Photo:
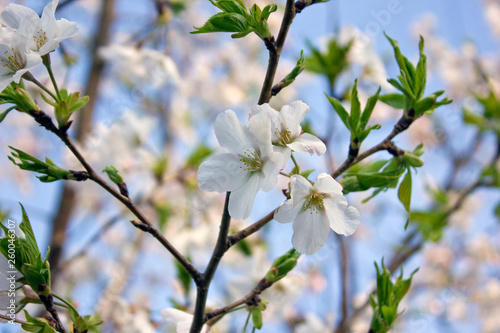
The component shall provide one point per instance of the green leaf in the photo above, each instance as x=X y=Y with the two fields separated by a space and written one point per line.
x=404 y=192
x=231 y=6
x=497 y=211
x=198 y=155
x=36 y=325
x=330 y=63
x=402 y=286
x=30 y=163
x=267 y=11
x=430 y=224
x=224 y=22
x=4 y=114
x=307 y=173
x=114 y=175
x=425 y=104
x=398 y=86
x=397 y=53
x=341 y=111
x=367 y=112
x=355 y=108
x=412 y=159
x=256 y=318
x=388 y=313
x=236 y=19
x=394 y=100
x=26 y=228
x=421 y=72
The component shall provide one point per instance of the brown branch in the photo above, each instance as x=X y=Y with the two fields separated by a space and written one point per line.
x=204 y=284
x=223 y=241
x=275 y=52
x=401 y=257
x=46 y=122
x=240 y=235
x=216 y=314
x=404 y=122
x=48 y=303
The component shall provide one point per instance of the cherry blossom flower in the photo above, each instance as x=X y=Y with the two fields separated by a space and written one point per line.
x=43 y=34
x=250 y=165
x=286 y=131
x=14 y=60
x=315 y=209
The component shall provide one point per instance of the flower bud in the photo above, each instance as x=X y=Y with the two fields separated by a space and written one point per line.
x=24 y=101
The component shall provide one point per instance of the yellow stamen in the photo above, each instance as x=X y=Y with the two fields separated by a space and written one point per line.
x=251 y=161
x=314 y=203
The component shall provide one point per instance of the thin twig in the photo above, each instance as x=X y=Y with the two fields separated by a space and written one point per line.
x=401 y=257
x=404 y=122
x=46 y=122
x=274 y=53
x=223 y=241
x=204 y=284
x=343 y=258
x=214 y=315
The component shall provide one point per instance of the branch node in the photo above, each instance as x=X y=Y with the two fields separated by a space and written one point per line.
x=270 y=44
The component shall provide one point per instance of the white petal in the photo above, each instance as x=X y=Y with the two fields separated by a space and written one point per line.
x=326 y=184
x=292 y=115
x=232 y=134
x=66 y=29
x=308 y=143
x=274 y=116
x=310 y=231
x=287 y=212
x=260 y=126
x=271 y=171
x=343 y=220
x=241 y=200
x=286 y=152
x=48 y=47
x=47 y=22
x=300 y=188
x=13 y=14
x=221 y=173
x=5 y=81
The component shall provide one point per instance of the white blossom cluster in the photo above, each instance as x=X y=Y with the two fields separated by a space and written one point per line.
x=255 y=156
x=26 y=37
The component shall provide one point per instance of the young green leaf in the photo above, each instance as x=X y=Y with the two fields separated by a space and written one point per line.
x=394 y=100
x=367 y=112
x=341 y=111
x=355 y=108
x=404 y=192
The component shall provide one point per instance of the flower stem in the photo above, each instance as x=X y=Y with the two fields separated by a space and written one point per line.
x=295 y=163
x=28 y=76
x=246 y=323
x=285 y=174
x=47 y=64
